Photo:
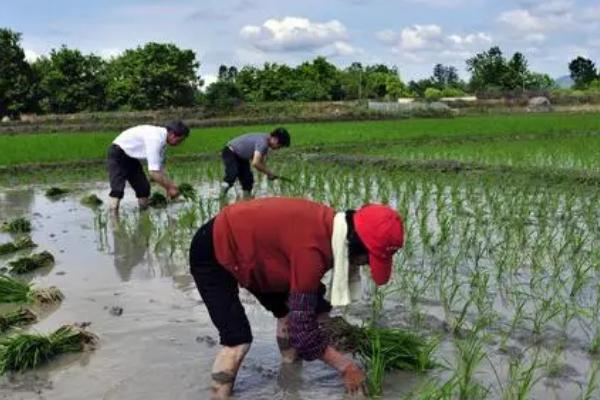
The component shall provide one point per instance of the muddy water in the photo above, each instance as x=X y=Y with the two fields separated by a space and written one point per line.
x=163 y=343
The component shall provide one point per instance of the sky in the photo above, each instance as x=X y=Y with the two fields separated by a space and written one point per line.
x=413 y=35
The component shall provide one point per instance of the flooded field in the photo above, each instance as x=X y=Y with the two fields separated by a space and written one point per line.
x=503 y=276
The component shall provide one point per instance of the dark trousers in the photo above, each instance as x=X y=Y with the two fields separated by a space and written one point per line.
x=237 y=168
x=121 y=169
x=220 y=293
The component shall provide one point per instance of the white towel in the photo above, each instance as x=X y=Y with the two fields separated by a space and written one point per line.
x=345 y=283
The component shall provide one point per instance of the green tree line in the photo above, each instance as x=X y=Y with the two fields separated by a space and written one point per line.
x=159 y=75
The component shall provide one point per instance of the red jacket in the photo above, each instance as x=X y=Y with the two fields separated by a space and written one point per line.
x=275 y=244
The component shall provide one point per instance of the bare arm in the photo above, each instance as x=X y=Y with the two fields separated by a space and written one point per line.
x=160 y=178
x=258 y=162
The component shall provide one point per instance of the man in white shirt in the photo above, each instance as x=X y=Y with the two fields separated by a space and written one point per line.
x=143 y=142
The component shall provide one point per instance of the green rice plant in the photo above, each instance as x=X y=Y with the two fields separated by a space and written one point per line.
x=91 y=200
x=22 y=351
x=188 y=192
x=470 y=354
x=591 y=391
x=521 y=378
x=20 y=243
x=157 y=200
x=17 y=225
x=14 y=290
x=399 y=349
x=55 y=192
x=16 y=318
x=27 y=264
x=375 y=367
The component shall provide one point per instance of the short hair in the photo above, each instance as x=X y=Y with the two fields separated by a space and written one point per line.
x=283 y=136
x=178 y=128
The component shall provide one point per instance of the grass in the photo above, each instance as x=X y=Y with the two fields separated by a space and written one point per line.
x=65 y=147
x=55 y=192
x=22 y=351
x=13 y=290
x=574 y=153
x=16 y=318
x=27 y=264
x=16 y=226
x=157 y=200
x=188 y=192
x=20 y=243
x=91 y=200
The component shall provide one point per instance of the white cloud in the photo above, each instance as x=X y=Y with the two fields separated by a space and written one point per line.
x=344 y=49
x=420 y=37
x=293 y=34
x=426 y=38
x=522 y=20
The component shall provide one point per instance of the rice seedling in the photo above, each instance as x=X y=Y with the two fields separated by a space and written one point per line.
x=14 y=290
x=21 y=351
x=521 y=378
x=27 y=264
x=20 y=243
x=157 y=200
x=590 y=391
x=16 y=318
x=91 y=200
x=188 y=192
x=55 y=192
x=399 y=349
x=16 y=226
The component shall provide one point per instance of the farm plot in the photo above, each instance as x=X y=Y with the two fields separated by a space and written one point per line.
x=501 y=273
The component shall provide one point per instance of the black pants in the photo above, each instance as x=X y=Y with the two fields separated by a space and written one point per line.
x=121 y=169
x=220 y=293
x=237 y=168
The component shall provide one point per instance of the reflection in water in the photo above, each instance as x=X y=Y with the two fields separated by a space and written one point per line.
x=15 y=203
x=131 y=239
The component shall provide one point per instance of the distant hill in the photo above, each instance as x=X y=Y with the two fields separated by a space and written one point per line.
x=564 y=82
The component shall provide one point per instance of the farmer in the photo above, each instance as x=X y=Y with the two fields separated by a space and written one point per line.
x=279 y=249
x=250 y=150
x=143 y=142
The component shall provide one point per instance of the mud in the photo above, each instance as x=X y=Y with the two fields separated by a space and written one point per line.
x=163 y=343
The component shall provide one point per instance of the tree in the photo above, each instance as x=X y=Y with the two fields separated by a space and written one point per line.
x=156 y=75
x=516 y=72
x=17 y=81
x=488 y=69
x=227 y=74
x=445 y=76
x=223 y=95
x=71 y=82
x=583 y=72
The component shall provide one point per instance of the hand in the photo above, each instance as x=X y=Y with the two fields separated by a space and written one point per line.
x=354 y=378
x=172 y=192
x=272 y=177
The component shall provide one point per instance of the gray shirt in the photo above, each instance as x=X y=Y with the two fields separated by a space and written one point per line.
x=245 y=146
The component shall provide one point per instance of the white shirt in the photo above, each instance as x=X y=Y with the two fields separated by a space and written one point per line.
x=144 y=142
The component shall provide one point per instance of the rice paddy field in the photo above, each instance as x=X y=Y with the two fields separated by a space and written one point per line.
x=499 y=273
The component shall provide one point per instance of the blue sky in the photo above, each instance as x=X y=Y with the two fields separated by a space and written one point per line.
x=412 y=34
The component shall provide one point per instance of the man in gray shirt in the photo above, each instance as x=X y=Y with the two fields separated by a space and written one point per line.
x=250 y=150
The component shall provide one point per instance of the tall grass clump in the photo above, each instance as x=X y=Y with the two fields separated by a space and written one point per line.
x=382 y=349
x=21 y=351
x=24 y=265
x=188 y=192
x=157 y=200
x=91 y=200
x=16 y=318
x=20 y=243
x=55 y=192
x=14 y=290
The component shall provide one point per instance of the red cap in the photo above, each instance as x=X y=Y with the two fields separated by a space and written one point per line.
x=380 y=229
